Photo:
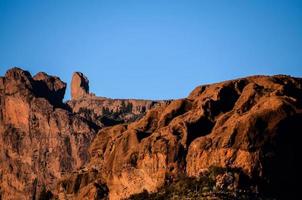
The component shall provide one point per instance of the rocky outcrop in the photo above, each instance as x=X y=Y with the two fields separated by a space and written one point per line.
x=40 y=141
x=95 y=147
x=250 y=124
x=108 y=112
x=105 y=111
x=79 y=85
x=49 y=87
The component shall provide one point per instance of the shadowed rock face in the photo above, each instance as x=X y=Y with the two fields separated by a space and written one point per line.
x=94 y=146
x=250 y=124
x=49 y=87
x=41 y=139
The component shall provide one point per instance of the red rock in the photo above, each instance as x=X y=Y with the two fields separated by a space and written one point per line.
x=79 y=85
x=251 y=124
x=39 y=142
x=234 y=124
x=50 y=87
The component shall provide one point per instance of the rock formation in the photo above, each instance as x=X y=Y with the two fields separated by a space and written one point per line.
x=41 y=138
x=50 y=87
x=79 y=85
x=95 y=147
x=251 y=125
x=105 y=111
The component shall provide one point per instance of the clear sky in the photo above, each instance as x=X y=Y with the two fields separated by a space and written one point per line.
x=153 y=49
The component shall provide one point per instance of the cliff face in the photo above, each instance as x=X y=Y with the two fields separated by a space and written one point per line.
x=41 y=138
x=92 y=147
x=252 y=125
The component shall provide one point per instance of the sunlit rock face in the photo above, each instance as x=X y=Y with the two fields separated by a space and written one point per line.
x=41 y=138
x=104 y=111
x=97 y=148
x=79 y=85
x=250 y=124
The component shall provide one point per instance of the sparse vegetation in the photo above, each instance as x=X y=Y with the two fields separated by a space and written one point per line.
x=216 y=183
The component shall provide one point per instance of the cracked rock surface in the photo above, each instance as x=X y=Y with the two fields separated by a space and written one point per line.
x=99 y=148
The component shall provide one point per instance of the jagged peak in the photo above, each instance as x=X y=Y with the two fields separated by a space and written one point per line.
x=79 y=86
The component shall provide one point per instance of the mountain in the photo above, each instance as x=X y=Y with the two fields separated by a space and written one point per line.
x=235 y=137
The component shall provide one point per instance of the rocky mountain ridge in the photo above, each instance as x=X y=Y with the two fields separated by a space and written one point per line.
x=99 y=148
x=105 y=111
x=41 y=137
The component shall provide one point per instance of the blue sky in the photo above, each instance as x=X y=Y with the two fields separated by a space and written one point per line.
x=155 y=49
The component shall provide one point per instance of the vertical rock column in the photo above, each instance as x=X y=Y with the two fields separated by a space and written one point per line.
x=79 y=86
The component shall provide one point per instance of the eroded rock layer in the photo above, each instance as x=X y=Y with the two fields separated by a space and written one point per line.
x=41 y=138
x=104 y=111
x=108 y=112
x=251 y=124
x=98 y=148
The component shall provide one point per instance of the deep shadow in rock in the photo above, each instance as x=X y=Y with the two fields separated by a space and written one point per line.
x=282 y=160
x=201 y=127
